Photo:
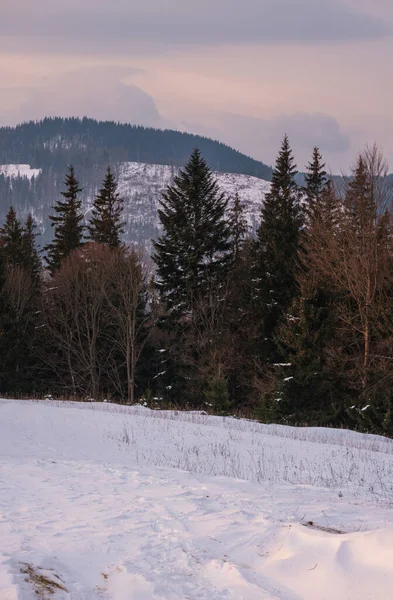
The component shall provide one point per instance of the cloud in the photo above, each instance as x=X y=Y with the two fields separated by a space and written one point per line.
x=104 y=24
x=261 y=138
x=97 y=92
x=312 y=130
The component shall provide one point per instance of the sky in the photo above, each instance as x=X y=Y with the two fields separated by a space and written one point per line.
x=242 y=71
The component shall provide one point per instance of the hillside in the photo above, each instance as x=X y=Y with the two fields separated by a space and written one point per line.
x=106 y=502
x=34 y=157
x=85 y=143
x=140 y=184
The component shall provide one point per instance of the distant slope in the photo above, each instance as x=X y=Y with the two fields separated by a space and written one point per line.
x=140 y=185
x=56 y=142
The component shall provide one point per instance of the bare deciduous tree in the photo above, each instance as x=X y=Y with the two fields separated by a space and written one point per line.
x=73 y=316
x=126 y=297
x=354 y=255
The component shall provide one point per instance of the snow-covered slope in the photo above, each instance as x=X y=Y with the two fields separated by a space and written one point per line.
x=101 y=502
x=19 y=171
x=141 y=185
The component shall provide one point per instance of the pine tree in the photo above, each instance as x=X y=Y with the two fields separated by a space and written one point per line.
x=11 y=240
x=193 y=251
x=316 y=182
x=238 y=226
x=276 y=251
x=67 y=223
x=106 y=226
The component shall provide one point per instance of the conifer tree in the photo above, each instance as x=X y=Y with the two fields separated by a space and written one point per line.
x=31 y=259
x=307 y=387
x=360 y=198
x=19 y=278
x=276 y=250
x=193 y=251
x=11 y=240
x=238 y=226
x=316 y=182
x=106 y=226
x=67 y=223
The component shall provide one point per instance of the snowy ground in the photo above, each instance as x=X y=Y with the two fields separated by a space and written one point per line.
x=100 y=502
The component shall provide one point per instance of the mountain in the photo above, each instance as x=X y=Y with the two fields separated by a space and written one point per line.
x=56 y=142
x=141 y=186
x=34 y=158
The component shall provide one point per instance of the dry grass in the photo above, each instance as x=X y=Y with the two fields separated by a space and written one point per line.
x=313 y=525
x=44 y=585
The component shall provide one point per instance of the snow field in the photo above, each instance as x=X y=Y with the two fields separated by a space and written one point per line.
x=125 y=503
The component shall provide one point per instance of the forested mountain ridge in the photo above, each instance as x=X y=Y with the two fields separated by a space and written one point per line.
x=34 y=157
x=57 y=142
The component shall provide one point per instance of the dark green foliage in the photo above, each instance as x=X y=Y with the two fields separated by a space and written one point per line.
x=310 y=386
x=276 y=250
x=18 y=246
x=105 y=225
x=31 y=260
x=193 y=252
x=217 y=395
x=11 y=240
x=67 y=223
x=360 y=201
x=19 y=294
x=316 y=182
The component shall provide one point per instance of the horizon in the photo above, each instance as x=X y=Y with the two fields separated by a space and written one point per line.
x=300 y=168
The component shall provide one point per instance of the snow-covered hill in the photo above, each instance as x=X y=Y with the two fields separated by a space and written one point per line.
x=102 y=502
x=141 y=186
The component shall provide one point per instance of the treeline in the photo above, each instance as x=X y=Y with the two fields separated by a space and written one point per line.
x=294 y=325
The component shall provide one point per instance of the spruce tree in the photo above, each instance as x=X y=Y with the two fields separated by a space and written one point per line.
x=67 y=223
x=276 y=251
x=106 y=226
x=31 y=259
x=316 y=182
x=238 y=227
x=360 y=202
x=193 y=251
x=307 y=387
x=19 y=280
x=11 y=240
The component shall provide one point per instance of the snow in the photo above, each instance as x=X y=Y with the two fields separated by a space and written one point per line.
x=142 y=185
x=14 y=171
x=124 y=503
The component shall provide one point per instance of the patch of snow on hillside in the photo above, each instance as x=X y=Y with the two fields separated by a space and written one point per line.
x=102 y=502
x=14 y=171
x=142 y=185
